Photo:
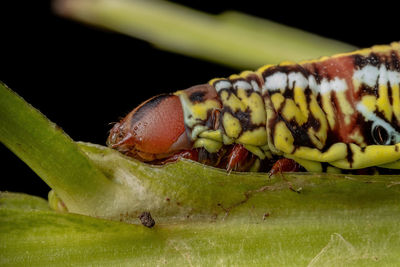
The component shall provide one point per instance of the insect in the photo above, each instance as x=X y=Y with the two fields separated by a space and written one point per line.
x=331 y=114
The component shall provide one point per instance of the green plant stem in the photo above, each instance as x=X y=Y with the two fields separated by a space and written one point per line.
x=47 y=150
x=232 y=38
x=353 y=235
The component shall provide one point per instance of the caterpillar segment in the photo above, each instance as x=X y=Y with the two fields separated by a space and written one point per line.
x=333 y=114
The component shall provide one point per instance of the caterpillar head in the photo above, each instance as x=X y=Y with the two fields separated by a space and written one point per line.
x=153 y=130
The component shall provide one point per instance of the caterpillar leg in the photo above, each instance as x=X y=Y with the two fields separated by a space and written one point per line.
x=186 y=154
x=284 y=165
x=238 y=155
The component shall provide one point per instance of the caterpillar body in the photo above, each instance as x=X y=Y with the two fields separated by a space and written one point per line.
x=331 y=114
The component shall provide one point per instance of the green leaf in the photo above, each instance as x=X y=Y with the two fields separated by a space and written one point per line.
x=232 y=38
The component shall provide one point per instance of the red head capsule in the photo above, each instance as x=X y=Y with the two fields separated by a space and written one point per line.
x=152 y=130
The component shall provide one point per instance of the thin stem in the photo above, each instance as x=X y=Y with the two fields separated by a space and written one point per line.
x=232 y=38
x=52 y=154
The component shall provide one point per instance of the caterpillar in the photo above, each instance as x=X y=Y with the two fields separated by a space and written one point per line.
x=333 y=114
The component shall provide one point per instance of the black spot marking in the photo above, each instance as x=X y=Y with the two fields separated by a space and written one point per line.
x=288 y=94
x=362 y=61
x=197 y=97
x=325 y=166
x=299 y=133
x=359 y=61
x=367 y=90
x=313 y=122
x=374 y=59
x=331 y=139
x=365 y=129
x=349 y=155
x=395 y=61
x=390 y=93
x=243 y=116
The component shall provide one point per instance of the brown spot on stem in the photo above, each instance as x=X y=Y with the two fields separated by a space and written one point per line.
x=146 y=219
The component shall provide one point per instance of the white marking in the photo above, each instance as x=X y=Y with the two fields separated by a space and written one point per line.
x=394 y=78
x=370 y=116
x=242 y=84
x=297 y=79
x=367 y=75
x=187 y=112
x=383 y=75
x=255 y=86
x=276 y=81
x=338 y=85
x=324 y=86
x=312 y=83
x=280 y=81
x=370 y=75
x=222 y=85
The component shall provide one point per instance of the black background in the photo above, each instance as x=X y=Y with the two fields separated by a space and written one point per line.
x=83 y=78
